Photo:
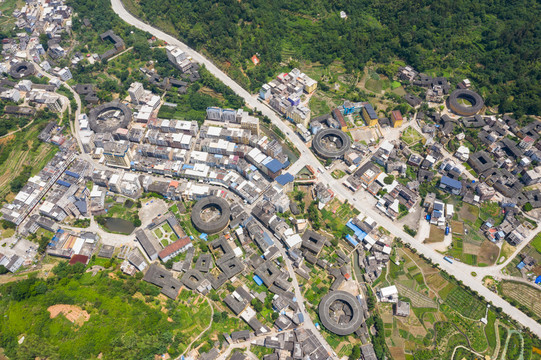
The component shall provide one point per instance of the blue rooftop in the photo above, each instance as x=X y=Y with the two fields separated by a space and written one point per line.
x=447 y=181
x=63 y=183
x=268 y=239
x=521 y=265
x=72 y=174
x=538 y=279
x=284 y=179
x=258 y=280
x=274 y=165
x=351 y=240
x=358 y=232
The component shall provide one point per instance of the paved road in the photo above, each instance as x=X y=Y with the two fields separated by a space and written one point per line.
x=461 y=273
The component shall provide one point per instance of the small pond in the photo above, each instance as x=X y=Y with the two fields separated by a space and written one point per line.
x=119 y=225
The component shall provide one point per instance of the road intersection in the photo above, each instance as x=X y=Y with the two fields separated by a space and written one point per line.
x=461 y=271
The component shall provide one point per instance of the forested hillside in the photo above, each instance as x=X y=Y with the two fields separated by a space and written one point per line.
x=496 y=43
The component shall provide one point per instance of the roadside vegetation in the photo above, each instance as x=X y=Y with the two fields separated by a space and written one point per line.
x=497 y=42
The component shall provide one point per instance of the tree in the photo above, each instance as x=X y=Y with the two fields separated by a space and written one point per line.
x=388 y=179
x=527 y=207
x=44 y=41
x=258 y=306
x=313 y=215
x=355 y=353
x=299 y=196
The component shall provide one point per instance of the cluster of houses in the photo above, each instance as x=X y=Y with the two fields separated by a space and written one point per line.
x=61 y=179
x=22 y=52
x=507 y=163
x=39 y=95
x=43 y=17
x=436 y=88
x=228 y=150
x=57 y=192
x=285 y=92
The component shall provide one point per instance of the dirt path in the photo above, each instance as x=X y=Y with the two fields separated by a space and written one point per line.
x=463 y=347
x=497 y=332
x=120 y=53
x=19 y=129
x=202 y=332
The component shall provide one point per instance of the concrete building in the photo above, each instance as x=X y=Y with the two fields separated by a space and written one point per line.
x=175 y=248
x=117 y=153
x=136 y=92
x=396 y=118
x=65 y=74
x=369 y=115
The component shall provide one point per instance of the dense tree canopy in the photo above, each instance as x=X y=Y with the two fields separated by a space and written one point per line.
x=493 y=42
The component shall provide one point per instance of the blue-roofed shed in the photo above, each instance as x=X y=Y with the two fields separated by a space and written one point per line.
x=538 y=279
x=258 y=280
x=63 y=183
x=358 y=232
x=268 y=239
x=351 y=240
x=72 y=174
x=521 y=265
x=284 y=179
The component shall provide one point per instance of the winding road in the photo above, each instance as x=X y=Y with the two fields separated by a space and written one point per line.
x=461 y=271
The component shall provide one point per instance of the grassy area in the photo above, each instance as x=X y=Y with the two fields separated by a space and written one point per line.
x=436 y=235
x=7 y=7
x=122 y=312
x=335 y=216
x=507 y=251
x=121 y=211
x=491 y=211
x=523 y=296
x=158 y=233
x=338 y=174
x=411 y=136
x=536 y=242
x=462 y=301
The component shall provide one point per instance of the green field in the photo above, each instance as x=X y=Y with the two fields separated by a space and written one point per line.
x=122 y=313
x=536 y=242
x=20 y=152
x=411 y=136
x=463 y=302
x=455 y=319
